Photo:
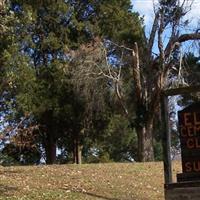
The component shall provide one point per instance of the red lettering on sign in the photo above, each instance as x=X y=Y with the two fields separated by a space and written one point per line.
x=196 y=120
x=190 y=131
x=197 y=142
x=193 y=143
x=197 y=130
x=189 y=127
x=188 y=167
x=187 y=118
x=183 y=131
x=196 y=166
x=193 y=166
x=190 y=143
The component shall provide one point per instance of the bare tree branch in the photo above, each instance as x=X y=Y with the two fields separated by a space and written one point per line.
x=175 y=42
x=153 y=34
x=121 y=99
x=160 y=39
x=136 y=73
x=187 y=37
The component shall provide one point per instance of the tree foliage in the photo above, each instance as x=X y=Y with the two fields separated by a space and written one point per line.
x=84 y=78
x=42 y=94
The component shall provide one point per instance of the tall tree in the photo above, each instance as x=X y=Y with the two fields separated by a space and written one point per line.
x=34 y=67
x=151 y=75
x=150 y=71
x=46 y=36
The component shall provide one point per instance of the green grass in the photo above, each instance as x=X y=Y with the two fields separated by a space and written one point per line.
x=114 y=181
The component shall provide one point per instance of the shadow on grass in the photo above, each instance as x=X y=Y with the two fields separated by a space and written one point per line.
x=7 y=171
x=5 y=189
x=96 y=195
x=100 y=196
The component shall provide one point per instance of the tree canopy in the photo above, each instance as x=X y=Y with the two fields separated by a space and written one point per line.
x=80 y=77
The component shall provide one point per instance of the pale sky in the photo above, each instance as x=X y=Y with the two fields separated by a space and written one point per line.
x=145 y=8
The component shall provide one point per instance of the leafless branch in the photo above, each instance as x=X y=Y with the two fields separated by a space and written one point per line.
x=136 y=73
x=153 y=33
x=121 y=46
x=187 y=37
x=160 y=39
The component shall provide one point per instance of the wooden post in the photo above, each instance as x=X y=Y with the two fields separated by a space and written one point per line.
x=166 y=140
x=182 y=90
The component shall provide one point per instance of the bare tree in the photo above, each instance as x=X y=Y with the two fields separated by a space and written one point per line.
x=93 y=71
x=149 y=86
x=150 y=71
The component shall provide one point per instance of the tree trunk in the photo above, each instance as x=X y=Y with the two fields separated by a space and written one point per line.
x=77 y=151
x=145 y=142
x=145 y=133
x=50 y=149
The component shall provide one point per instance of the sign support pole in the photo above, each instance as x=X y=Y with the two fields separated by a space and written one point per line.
x=166 y=141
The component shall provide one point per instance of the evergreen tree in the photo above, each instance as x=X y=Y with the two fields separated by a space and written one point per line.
x=46 y=36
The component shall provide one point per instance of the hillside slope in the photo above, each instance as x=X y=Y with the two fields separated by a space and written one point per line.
x=138 y=181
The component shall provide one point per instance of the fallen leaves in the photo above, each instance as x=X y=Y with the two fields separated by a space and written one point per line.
x=141 y=181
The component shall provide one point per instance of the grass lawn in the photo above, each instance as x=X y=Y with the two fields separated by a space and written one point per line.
x=114 y=181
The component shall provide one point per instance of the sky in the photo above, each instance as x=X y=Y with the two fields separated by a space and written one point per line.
x=145 y=8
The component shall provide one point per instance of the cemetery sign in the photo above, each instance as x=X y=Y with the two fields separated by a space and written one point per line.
x=189 y=130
